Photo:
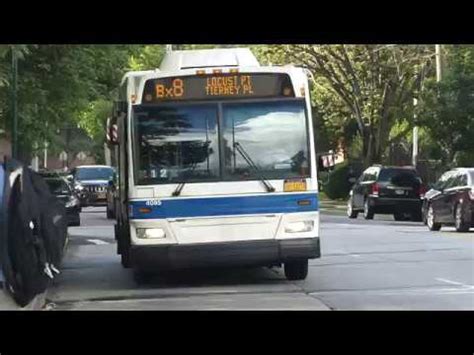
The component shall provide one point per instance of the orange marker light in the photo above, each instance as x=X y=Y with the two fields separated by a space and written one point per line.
x=144 y=210
x=304 y=202
x=234 y=70
x=217 y=71
x=133 y=98
x=302 y=90
x=200 y=72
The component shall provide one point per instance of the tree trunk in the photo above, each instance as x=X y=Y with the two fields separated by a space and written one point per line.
x=369 y=149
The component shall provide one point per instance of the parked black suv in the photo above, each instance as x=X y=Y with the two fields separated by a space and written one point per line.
x=451 y=201
x=91 y=183
x=387 y=190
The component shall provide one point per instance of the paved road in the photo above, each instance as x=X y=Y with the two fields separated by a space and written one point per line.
x=366 y=265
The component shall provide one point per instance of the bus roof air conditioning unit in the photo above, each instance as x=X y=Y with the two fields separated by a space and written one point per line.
x=208 y=58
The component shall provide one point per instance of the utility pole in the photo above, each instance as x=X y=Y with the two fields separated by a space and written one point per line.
x=439 y=63
x=45 y=163
x=439 y=75
x=415 y=135
x=14 y=103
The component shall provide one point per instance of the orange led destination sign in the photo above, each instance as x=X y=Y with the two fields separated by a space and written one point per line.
x=229 y=85
x=217 y=86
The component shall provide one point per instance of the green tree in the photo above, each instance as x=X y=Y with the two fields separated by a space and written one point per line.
x=147 y=58
x=447 y=110
x=56 y=83
x=5 y=76
x=362 y=89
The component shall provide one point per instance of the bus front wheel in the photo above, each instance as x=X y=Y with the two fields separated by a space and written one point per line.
x=125 y=257
x=123 y=247
x=296 y=269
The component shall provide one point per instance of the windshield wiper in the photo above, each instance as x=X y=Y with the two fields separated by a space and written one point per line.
x=180 y=186
x=251 y=163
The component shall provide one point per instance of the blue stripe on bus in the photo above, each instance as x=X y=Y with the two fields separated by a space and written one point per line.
x=222 y=206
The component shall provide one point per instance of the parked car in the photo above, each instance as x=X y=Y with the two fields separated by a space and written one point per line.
x=91 y=182
x=65 y=193
x=52 y=174
x=387 y=190
x=451 y=201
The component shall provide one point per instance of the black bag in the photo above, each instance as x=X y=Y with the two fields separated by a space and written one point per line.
x=35 y=233
x=53 y=221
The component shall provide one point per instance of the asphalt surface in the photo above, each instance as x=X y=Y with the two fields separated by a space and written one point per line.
x=365 y=265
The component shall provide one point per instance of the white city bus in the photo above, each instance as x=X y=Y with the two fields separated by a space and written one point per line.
x=216 y=165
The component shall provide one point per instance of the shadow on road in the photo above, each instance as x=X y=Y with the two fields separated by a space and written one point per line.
x=208 y=277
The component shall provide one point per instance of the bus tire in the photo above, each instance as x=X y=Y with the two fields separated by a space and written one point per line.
x=125 y=257
x=296 y=269
x=123 y=247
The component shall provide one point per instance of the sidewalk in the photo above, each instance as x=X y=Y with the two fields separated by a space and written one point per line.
x=333 y=206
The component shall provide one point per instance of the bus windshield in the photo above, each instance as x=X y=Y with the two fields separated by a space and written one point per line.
x=209 y=142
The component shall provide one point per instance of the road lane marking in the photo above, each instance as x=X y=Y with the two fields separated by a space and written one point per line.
x=454 y=283
x=97 y=241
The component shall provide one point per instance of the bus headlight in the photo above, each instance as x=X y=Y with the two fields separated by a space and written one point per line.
x=150 y=233
x=299 y=227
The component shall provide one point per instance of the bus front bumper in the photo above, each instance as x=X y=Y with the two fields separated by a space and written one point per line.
x=248 y=253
